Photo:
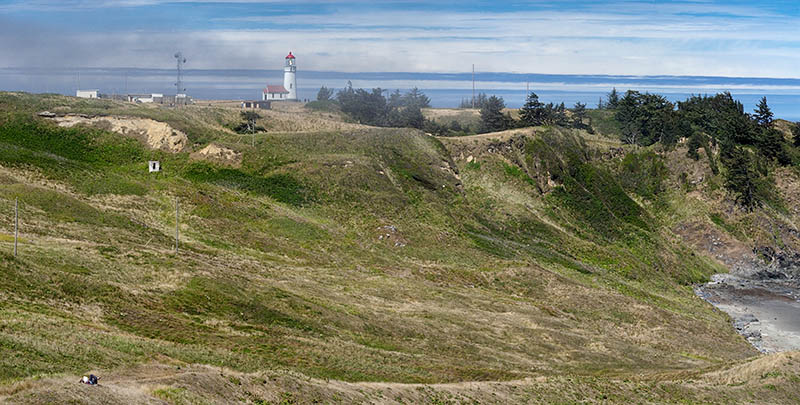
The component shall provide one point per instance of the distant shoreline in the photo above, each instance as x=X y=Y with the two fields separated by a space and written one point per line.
x=446 y=90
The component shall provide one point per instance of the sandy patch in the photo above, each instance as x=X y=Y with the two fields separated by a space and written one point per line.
x=219 y=154
x=155 y=134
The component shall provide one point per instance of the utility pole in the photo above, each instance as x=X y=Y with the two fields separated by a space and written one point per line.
x=16 y=224
x=177 y=234
x=473 y=85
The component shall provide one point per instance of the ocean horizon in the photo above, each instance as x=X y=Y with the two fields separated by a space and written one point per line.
x=446 y=90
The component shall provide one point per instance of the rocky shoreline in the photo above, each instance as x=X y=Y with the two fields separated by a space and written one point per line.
x=765 y=311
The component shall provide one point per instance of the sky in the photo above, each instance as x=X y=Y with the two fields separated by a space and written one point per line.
x=702 y=37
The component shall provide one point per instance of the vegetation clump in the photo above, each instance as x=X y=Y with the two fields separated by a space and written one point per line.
x=750 y=145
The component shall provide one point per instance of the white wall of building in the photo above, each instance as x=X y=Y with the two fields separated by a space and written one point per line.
x=275 y=96
x=290 y=79
x=87 y=93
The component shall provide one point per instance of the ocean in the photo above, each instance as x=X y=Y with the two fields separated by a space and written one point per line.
x=444 y=89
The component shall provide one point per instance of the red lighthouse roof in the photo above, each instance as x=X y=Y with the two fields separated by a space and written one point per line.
x=290 y=56
x=275 y=89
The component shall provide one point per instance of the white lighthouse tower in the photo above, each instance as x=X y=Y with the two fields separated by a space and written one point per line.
x=289 y=77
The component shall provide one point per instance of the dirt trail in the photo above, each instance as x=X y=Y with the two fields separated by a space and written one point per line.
x=490 y=136
x=159 y=383
x=154 y=383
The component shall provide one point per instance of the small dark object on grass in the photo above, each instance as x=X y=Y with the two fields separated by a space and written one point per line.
x=90 y=380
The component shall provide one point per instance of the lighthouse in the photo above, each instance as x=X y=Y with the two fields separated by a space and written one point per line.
x=289 y=77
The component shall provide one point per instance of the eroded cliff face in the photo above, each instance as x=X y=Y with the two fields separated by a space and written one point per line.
x=154 y=134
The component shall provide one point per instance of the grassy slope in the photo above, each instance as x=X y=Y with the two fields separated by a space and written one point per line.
x=286 y=263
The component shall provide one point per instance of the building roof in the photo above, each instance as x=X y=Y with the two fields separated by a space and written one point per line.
x=275 y=89
x=290 y=56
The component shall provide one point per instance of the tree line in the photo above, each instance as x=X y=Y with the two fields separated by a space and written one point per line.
x=749 y=145
x=372 y=107
x=746 y=145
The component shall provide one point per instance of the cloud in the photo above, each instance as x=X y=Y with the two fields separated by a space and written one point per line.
x=634 y=37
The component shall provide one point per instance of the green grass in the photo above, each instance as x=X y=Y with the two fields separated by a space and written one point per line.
x=63 y=208
x=281 y=187
x=327 y=106
x=594 y=197
x=604 y=123
x=516 y=172
x=201 y=296
x=284 y=264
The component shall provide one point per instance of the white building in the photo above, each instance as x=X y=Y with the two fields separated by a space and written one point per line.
x=87 y=93
x=289 y=76
x=146 y=98
x=272 y=93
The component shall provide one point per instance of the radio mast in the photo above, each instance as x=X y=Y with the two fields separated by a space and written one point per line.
x=179 y=84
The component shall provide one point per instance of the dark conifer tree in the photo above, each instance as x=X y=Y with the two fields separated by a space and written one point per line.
x=763 y=114
x=696 y=141
x=742 y=178
x=796 y=134
x=324 y=94
x=613 y=99
x=531 y=112
x=492 y=117
x=579 y=115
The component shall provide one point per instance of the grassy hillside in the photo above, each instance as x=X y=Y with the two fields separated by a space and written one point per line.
x=548 y=259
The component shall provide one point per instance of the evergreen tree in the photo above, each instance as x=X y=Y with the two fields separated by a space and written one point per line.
x=324 y=94
x=561 y=115
x=417 y=98
x=763 y=114
x=772 y=145
x=366 y=107
x=613 y=99
x=648 y=118
x=742 y=177
x=531 y=112
x=579 y=115
x=395 y=99
x=492 y=118
x=796 y=134
x=412 y=117
x=479 y=101
x=719 y=116
x=696 y=141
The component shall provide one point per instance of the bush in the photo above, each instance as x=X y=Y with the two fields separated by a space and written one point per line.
x=644 y=174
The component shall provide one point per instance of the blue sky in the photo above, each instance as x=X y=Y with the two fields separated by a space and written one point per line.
x=702 y=37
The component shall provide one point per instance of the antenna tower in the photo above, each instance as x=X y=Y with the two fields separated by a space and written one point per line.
x=179 y=83
x=473 y=85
